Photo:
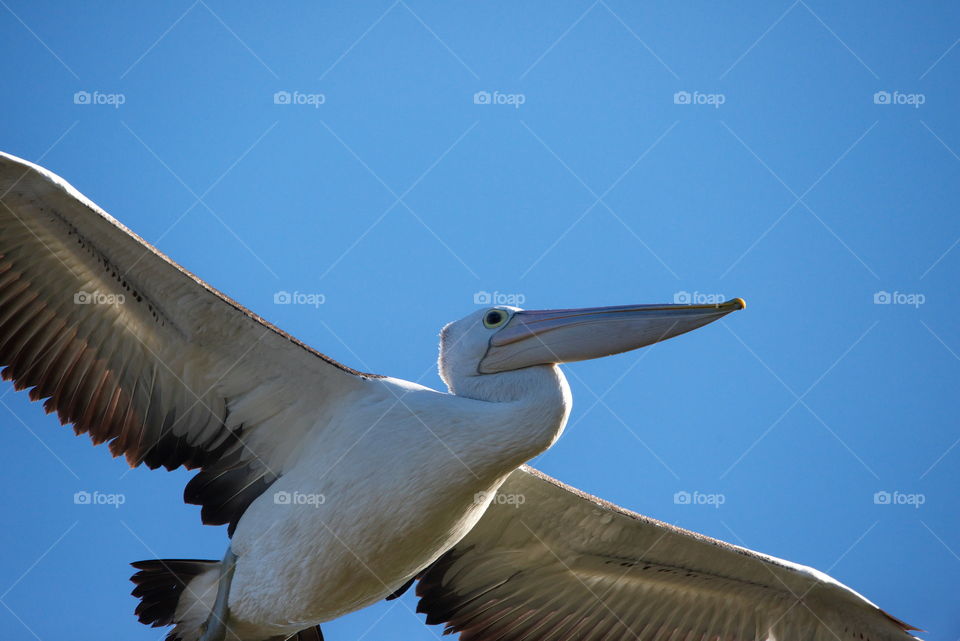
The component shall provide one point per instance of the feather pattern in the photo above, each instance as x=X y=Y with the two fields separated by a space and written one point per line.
x=134 y=351
x=565 y=565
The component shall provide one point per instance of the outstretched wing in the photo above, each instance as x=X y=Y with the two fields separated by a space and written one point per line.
x=134 y=350
x=550 y=562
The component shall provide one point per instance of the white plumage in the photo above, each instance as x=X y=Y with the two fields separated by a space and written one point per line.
x=341 y=487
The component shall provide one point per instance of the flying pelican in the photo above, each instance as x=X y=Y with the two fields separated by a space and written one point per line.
x=341 y=488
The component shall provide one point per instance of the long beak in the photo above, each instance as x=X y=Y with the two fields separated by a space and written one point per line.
x=568 y=335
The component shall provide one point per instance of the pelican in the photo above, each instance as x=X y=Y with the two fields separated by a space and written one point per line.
x=341 y=488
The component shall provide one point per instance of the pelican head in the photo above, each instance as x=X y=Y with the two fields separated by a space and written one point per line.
x=504 y=339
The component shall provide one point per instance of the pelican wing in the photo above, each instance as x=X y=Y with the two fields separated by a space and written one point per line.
x=548 y=562
x=133 y=349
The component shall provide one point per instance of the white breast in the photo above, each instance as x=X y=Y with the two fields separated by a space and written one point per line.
x=379 y=497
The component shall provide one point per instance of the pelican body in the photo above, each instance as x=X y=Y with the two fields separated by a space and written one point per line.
x=372 y=517
x=341 y=488
x=401 y=472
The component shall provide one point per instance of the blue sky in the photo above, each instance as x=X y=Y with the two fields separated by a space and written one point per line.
x=626 y=154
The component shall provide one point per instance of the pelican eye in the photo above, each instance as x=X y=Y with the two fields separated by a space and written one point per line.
x=494 y=318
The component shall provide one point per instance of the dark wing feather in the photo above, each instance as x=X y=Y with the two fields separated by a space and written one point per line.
x=135 y=351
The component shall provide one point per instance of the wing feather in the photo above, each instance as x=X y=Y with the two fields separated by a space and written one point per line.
x=565 y=565
x=137 y=352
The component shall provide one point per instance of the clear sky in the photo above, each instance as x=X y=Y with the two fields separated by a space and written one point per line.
x=803 y=156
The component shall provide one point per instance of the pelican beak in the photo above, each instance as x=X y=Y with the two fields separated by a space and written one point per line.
x=568 y=335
